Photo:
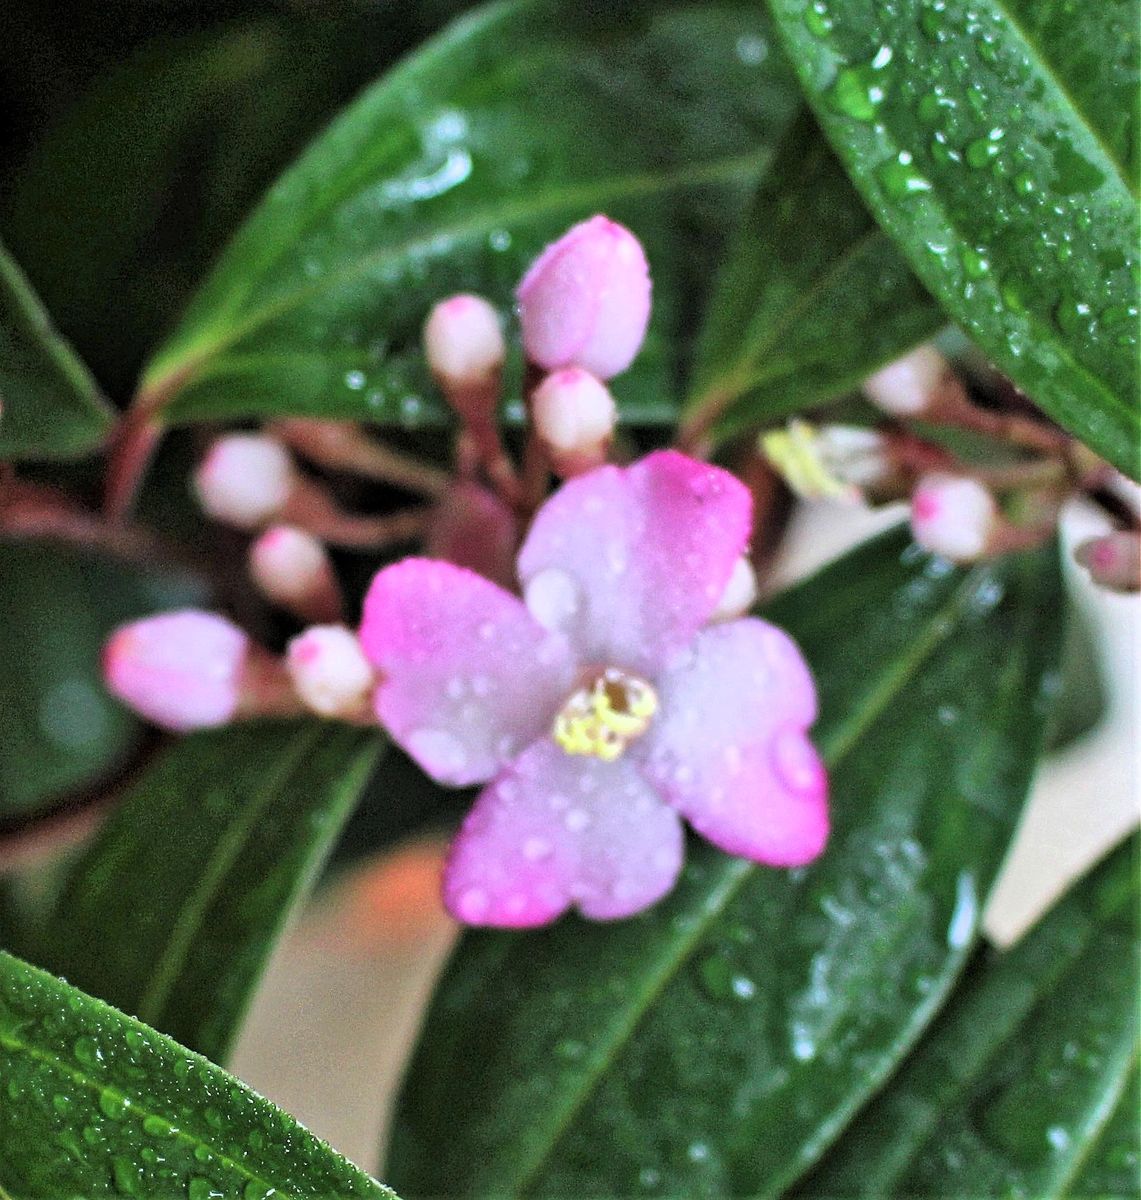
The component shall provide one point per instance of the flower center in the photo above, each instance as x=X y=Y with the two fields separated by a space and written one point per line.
x=605 y=715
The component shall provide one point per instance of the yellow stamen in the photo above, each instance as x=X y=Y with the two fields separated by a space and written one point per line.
x=602 y=718
x=795 y=453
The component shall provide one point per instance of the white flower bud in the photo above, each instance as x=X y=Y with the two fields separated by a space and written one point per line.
x=953 y=516
x=906 y=387
x=330 y=672
x=245 y=480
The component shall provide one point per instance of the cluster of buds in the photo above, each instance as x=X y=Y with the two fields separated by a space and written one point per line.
x=960 y=510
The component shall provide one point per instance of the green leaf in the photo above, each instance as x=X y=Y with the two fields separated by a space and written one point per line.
x=173 y=911
x=1013 y=1090
x=715 y=1045
x=990 y=141
x=97 y=1104
x=1113 y=1165
x=51 y=406
x=452 y=172
x=812 y=299
x=61 y=729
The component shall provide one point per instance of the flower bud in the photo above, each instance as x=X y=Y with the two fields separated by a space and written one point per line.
x=464 y=346
x=740 y=592
x=1113 y=560
x=473 y=528
x=585 y=302
x=292 y=568
x=181 y=670
x=953 y=516
x=330 y=672
x=907 y=387
x=245 y=480
x=574 y=417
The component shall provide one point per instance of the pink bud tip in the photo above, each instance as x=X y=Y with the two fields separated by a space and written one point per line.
x=330 y=672
x=292 y=568
x=953 y=516
x=181 y=670
x=1113 y=560
x=473 y=528
x=464 y=347
x=245 y=480
x=585 y=302
x=906 y=387
x=574 y=416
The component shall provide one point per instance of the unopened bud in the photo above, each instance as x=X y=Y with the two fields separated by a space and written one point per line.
x=908 y=386
x=574 y=417
x=464 y=346
x=292 y=568
x=740 y=592
x=181 y=670
x=473 y=528
x=1113 y=560
x=953 y=516
x=330 y=672
x=585 y=301
x=245 y=480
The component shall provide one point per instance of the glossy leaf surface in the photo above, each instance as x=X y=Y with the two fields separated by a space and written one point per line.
x=1014 y=1090
x=173 y=911
x=813 y=297
x=51 y=406
x=97 y=1104
x=994 y=142
x=61 y=729
x=452 y=172
x=717 y=1044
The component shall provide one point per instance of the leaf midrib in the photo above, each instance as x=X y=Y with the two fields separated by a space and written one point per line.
x=222 y=856
x=835 y=747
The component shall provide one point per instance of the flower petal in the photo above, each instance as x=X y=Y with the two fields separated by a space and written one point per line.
x=630 y=563
x=728 y=748
x=468 y=676
x=555 y=830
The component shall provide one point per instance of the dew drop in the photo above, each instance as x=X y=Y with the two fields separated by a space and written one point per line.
x=535 y=849
x=795 y=761
x=857 y=92
x=577 y=820
x=900 y=179
x=817 y=19
x=355 y=380
x=113 y=1104
x=554 y=598
x=88 y=1052
x=976 y=265
x=472 y=904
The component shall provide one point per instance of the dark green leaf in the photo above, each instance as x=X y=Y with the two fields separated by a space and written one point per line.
x=717 y=1044
x=452 y=172
x=61 y=729
x=1113 y=1167
x=51 y=407
x=1081 y=700
x=989 y=139
x=97 y=1104
x=813 y=297
x=173 y=911
x=1016 y=1082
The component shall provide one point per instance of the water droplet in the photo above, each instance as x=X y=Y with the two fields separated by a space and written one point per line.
x=975 y=262
x=752 y=50
x=355 y=380
x=202 y=1189
x=113 y=1104
x=126 y=1175
x=983 y=151
x=857 y=92
x=88 y=1052
x=796 y=762
x=535 y=849
x=817 y=19
x=443 y=750
x=554 y=598
x=697 y=1152
x=1057 y=1137
x=472 y=904
x=900 y=178
x=1024 y=184
x=577 y=820
x=648 y=1177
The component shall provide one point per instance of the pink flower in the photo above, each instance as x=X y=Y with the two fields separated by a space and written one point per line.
x=585 y=301
x=602 y=708
x=953 y=516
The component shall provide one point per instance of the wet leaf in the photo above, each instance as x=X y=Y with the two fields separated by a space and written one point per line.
x=812 y=299
x=452 y=172
x=715 y=1045
x=171 y=914
x=97 y=1104
x=993 y=143
x=1014 y=1090
x=50 y=407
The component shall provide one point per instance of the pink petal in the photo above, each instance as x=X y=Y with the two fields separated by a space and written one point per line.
x=468 y=676
x=630 y=563
x=728 y=748
x=557 y=829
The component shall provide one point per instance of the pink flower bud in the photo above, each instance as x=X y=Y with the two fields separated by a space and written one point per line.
x=473 y=528
x=465 y=350
x=1113 y=560
x=953 y=516
x=740 y=592
x=181 y=670
x=906 y=387
x=574 y=417
x=292 y=568
x=585 y=302
x=245 y=480
x=330 y=672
